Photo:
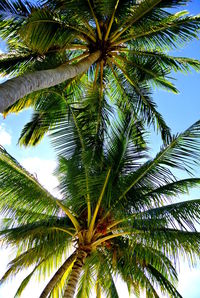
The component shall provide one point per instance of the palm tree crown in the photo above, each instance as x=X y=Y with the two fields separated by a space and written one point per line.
x=116 y=214
x=119 y=45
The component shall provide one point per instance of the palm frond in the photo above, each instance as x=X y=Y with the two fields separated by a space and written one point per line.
x=140 y=96
x=146 y=8
x=183 y=214
x=182 y=153
x=172 y=32
x=15 y=9
x=84 y=284
x=43 y=22
x=165 y=61
x=23 y=194
x=163 y=282
x=26 y=280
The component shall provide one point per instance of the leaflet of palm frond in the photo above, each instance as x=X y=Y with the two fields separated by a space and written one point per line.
x=14 y=193
x=141 y=255
x=26 y=280
x=166 y=286
x=104 y=279
x=163 y=60
x=150 y=196
x=85 y=283
x=49 y=109
x=147 y=9
x=138 y=94
x=16 y=63
x=182 y=153
x=173 y=189
x=61 y=224
x=47 y=263
x=75 y=186
x=171 y=32
x=177 y=242
x=126 y=144
x=16 y=9
x=181 y=215
x=44 y=23
x=135 y=276
x=29 y=256
x=146 y=70
x=85 y=125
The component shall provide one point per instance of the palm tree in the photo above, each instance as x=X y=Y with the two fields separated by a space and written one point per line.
x=122 y=45
x=116 y=216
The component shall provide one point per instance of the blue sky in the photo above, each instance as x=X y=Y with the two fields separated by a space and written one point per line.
x=179 y=111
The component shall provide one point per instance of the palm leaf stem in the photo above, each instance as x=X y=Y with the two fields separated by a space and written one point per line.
x=98 y=290
x=115 y=223
x=146 y=33
x=71 y=47
x=99 y=241
x=70 y=215
x=74 y=47
x=101 y=96
x=151 y=73
x=90 y=29
x=62 y=230
x=86 y=169
x=67 y=26
x=116 y=35
x=111 y=20
x=80 y=57
x=96 y=21
x=131 y=82
x=91 y=227
x=150 y=166
x=89 y=36
x=116 y=76
x=96 y=74
x=100 y=105
x=120 y=86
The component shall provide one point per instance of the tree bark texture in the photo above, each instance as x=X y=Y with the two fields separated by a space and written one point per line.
x=57 y=276
x=16 y=88
x=75 y=274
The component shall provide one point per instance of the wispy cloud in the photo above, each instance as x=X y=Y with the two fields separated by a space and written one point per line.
x=5 y=136
x=189 y=281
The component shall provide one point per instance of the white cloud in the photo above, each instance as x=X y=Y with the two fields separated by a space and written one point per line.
x=5 y=137
x=42 y=169
x=189 y=281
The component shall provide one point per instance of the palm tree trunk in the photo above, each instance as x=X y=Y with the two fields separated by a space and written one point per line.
x=16 y=88
x=75 y=274
x=57 y=276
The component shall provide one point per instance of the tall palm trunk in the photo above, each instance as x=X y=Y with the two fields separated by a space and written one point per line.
x=57 y=276
x=75 y=274
x=18 y=87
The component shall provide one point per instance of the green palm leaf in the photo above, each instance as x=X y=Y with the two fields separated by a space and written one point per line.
x=15 y=195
